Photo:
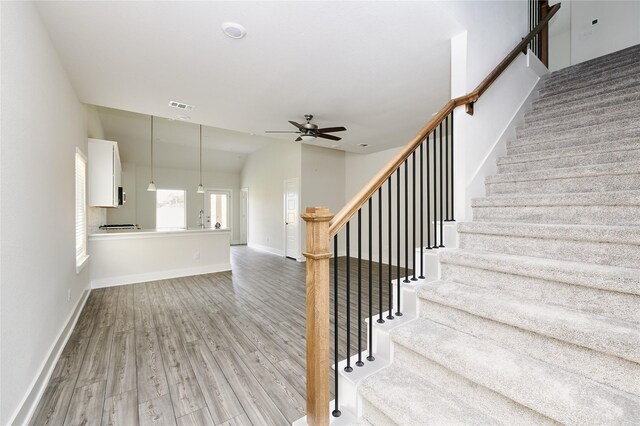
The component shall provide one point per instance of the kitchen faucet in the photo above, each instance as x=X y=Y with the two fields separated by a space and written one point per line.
x=201 y=219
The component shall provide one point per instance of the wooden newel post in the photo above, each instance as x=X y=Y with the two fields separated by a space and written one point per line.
x=318 y=255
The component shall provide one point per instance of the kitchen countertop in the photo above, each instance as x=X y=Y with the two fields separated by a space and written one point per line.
x=141 y=233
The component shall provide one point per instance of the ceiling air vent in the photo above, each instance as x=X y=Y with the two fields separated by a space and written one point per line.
x=181 y=105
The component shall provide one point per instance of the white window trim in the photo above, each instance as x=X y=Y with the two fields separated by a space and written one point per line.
x=82 y=259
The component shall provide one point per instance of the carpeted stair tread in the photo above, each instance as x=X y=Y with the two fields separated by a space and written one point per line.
x=610 y=115
x=589 y=93
x=556 y=393
x=619 y=56
x=407 y=399
x=604 y=234
x=556 y=87
x=614 y=198
x=626 y=280
x=602 y=153
x=627 y=168
x=590 y=130
x=598 y=244
x=600 y=105
x=627 y=135
x=607 y=335
x=591 y=208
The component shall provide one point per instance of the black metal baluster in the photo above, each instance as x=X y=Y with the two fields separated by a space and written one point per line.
x=348 y=368
x=446 y=169
x=441 y=194
x=413 y=206
x=435 y=190
x=336 y=412
x=359 y=362
x=406 y=227
x=453 y=161
x=428 y=197
x=390 y=314
x=380 y=320
x=398 y=243
x=370 y=340
x=421 y=213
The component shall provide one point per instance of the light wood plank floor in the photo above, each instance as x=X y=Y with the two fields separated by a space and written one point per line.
x=215 y=349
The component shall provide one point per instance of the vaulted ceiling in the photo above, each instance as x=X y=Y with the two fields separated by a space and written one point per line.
x=381 y=69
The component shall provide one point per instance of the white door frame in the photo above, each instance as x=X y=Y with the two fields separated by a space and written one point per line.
x=207 y=206
x=284 y=219
x=244 y=223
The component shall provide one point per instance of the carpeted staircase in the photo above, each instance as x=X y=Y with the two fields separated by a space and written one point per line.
x=536 y=317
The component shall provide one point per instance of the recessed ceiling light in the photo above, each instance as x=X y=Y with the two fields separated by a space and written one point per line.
x=233 y=30
x=364 y=145
x=183 y=117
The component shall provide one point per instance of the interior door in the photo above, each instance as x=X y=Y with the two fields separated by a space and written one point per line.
x=291 y=218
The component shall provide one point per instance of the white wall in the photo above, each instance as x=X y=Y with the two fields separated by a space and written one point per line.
x=560 y=50
x=264 y=173
x=42 y=124
x=141 y=205
x=323 y=181
x=618 y=27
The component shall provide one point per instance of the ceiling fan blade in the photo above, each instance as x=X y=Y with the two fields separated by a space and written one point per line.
x=333 y=138
x=299 y=126
x=331 y=129
x=299 y=139
x=281 y=131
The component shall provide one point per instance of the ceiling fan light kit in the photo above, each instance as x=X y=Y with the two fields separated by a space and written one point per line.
x=309 y=131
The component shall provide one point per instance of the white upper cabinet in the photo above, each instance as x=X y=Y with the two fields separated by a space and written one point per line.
x=105 y=173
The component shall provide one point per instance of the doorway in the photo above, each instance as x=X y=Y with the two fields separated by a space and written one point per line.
x=217 y=204
x=292 y=218
x=244 y=215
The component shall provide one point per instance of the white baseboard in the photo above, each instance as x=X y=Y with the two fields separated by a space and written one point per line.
x=266 y=248
x=159 y=275
x=30 y=401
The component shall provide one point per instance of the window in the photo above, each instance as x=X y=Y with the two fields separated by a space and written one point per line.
x=81 y=210
x=171 y=208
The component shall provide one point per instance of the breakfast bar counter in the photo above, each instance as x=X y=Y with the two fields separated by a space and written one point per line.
x=131 y=256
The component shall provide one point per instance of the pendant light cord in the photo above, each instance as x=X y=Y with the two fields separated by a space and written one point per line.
x=201 y=154
x=152 y=148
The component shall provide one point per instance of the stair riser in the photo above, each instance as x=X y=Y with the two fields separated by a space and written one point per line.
x=601 y=183
x=606 y=129
x=588 y=80
x=487 y=401
x=621 y=56
x=572 y=161
x=601 y=253
x=564 y=124
x=601 y=367
x=373 y=415
x=626 y=137
x=580 y=108
x=570 y=215
x=587 y=94
x=622 y=306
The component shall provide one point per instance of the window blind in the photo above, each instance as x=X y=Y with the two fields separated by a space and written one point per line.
x=81 y=208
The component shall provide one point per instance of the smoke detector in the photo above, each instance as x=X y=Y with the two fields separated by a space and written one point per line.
x=181 y=105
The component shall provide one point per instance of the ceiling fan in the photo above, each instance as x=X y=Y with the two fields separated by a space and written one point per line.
x=310 y=131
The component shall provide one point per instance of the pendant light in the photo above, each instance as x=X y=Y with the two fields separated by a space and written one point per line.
x=200 y=189
x=152 y=185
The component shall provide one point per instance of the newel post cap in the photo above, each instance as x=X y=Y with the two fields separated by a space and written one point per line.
x=317 y=214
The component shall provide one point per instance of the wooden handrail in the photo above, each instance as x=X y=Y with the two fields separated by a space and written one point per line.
x=374 y=184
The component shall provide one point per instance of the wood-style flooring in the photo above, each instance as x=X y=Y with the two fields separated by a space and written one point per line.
x=216 y=349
